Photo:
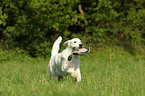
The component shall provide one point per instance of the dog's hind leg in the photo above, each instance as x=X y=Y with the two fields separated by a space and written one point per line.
x=52 y=72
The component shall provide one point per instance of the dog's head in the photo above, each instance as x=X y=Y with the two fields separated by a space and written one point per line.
x=74 y=44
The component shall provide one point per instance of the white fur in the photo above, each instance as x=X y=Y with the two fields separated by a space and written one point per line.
x=58 y=65
x=55 y=46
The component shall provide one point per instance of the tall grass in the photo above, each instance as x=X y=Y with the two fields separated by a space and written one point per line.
x=108 y=72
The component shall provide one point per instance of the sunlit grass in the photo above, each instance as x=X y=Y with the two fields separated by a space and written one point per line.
x=108 y=72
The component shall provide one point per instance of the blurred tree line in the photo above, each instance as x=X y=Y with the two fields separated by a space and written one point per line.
x=33 y=25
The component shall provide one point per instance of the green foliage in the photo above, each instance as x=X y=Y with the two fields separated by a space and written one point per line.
x=33 y=25
x=3 y=17
x=6 y=55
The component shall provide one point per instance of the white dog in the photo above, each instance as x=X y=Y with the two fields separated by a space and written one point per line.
x=59 y=65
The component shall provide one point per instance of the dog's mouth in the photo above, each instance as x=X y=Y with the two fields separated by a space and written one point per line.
x=81 y=51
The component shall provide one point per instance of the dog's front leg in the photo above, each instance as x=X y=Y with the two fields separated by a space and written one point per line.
x=78 y=75
x=66 y=68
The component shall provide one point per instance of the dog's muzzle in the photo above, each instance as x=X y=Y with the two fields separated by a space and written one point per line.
x=80 y=45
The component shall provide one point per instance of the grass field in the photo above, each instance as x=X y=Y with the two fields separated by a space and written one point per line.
x=108 y=72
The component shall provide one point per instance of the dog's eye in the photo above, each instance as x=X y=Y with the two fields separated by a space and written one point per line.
x=75 y=42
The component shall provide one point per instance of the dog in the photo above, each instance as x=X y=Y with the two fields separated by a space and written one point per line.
x=59 y=66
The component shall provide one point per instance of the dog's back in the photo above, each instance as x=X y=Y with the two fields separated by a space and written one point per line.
x=55 y=47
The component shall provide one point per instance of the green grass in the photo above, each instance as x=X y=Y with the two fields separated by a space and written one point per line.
x=108 y=72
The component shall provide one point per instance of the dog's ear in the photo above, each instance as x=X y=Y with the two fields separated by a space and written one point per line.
x=64 y=44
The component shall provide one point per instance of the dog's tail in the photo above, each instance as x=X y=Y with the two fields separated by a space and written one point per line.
x=55 y=47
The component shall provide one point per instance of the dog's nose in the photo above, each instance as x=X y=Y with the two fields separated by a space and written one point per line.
x=80 y=45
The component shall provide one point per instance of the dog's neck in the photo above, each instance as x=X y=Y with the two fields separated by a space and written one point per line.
x=68 y=50
x=75 y=56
